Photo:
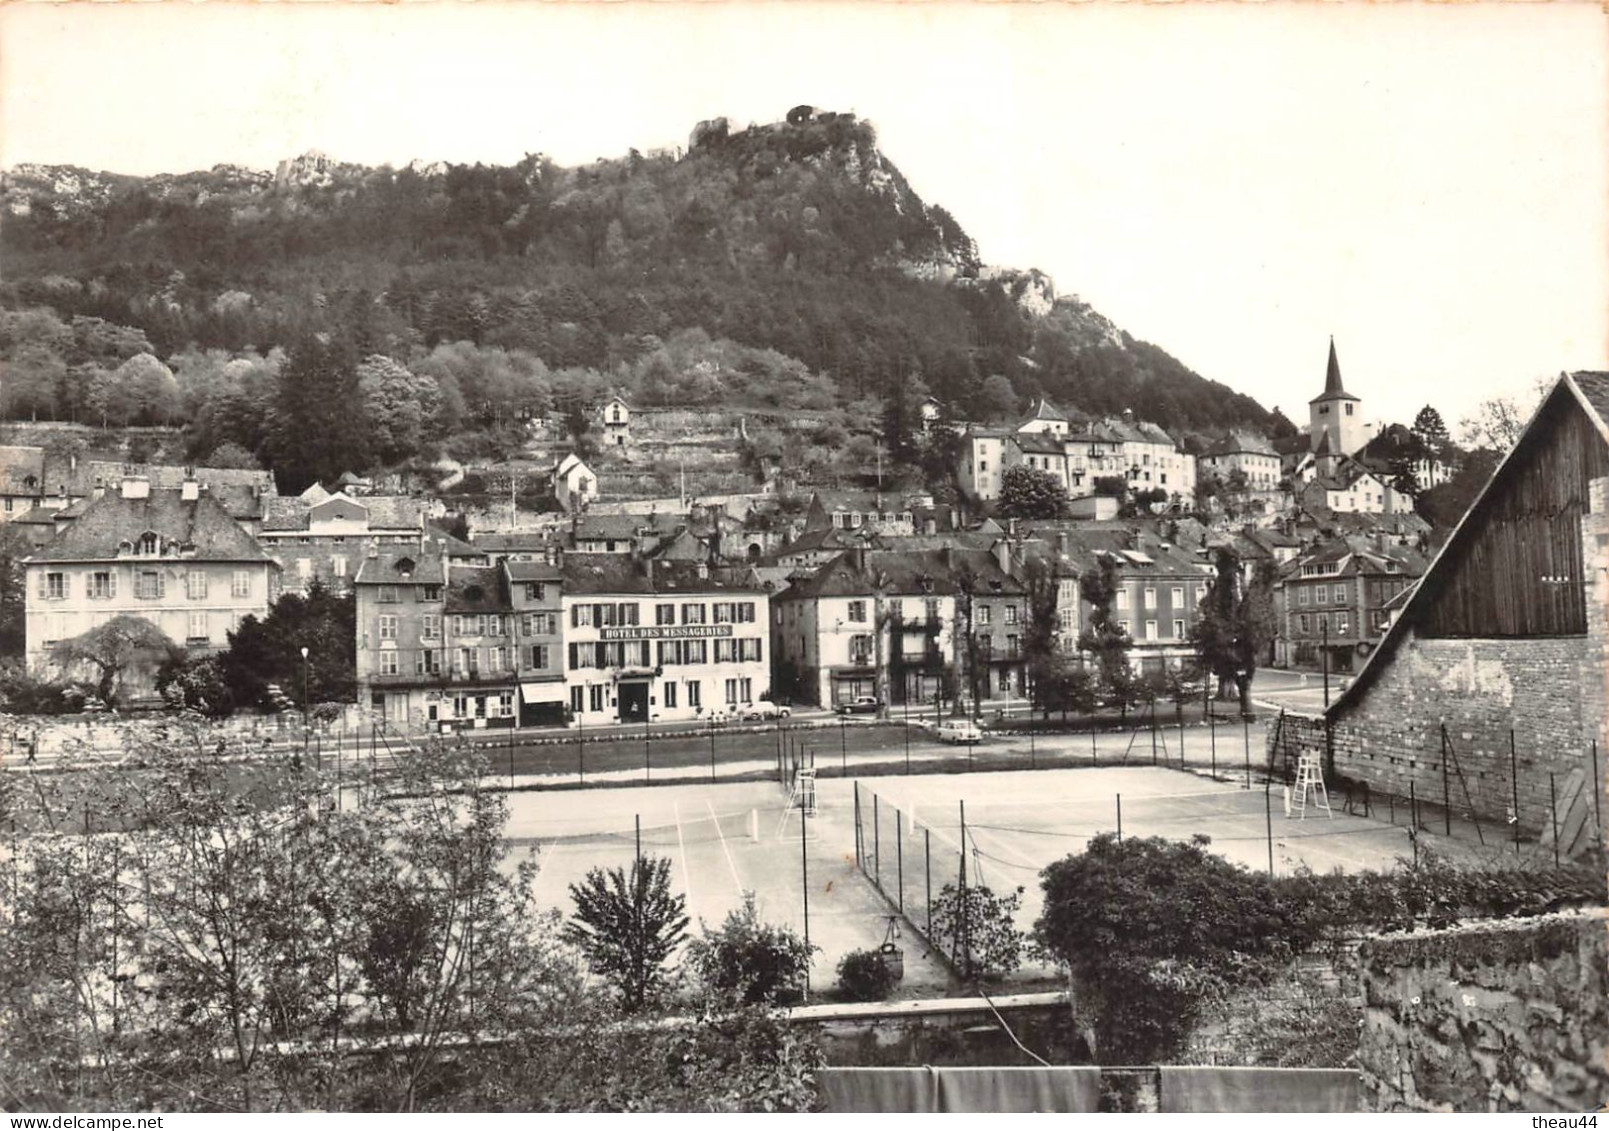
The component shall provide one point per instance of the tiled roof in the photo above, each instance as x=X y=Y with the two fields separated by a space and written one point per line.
x=1595 y=389
x=60 y=474
x=385 y=512
x=1039 y=443
x=17 y=465
x=622 y=573
x=477 y=589
x=199 y=529
x=907 y=574
x=533 y=571
x=392 y=566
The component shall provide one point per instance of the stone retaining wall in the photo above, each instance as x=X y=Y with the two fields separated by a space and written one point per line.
x=1497 y=1016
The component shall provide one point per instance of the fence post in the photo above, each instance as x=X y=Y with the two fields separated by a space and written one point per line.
x=1120 y=818
x=1446 y=786
x=804 y=885
x=1597 y=794
x=1245 y=733
x=860 y=833
x=1514 y=785
x=927 y=873
x=1553 y=806
x=899 y=861
x=966 y=940
x=1153 y=731
x=877 y=843
x=1268 y=819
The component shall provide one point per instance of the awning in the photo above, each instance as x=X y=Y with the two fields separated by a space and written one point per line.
x=544 y=692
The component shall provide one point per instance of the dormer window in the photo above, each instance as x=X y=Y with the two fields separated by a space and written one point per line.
x=405 y=567
x=149 y=543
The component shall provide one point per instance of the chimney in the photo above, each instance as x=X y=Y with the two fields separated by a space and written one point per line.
x=135 y=487
x=857 y=559
x=648 y=568
x=189 y=490
x=446 y=562
x=1011 y=527
x=548 y=554
x=947 y=556
x=1061 y=541
x=703 y=571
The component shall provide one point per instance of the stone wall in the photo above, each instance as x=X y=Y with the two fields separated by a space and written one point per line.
x=1551 y=691
x=1505 y=1016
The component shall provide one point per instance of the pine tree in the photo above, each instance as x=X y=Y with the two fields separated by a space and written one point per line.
x=319 y=429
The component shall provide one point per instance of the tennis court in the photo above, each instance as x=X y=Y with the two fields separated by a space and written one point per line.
x=724 y=839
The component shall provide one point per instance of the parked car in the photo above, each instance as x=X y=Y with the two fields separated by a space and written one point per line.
x=860 y=705
x=958 y=731
x=765 y=709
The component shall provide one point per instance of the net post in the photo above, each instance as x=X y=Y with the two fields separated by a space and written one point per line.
x=804 y=888
x=877 y=842
x=1120 y=818
x=966 y=941
x=1514 y=786
x=1446 y=785
x=1268 y=818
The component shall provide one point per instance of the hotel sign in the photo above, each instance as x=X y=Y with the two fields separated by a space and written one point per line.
x=667 y=632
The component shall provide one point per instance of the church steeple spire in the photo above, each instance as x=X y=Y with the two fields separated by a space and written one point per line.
x=1332 y=374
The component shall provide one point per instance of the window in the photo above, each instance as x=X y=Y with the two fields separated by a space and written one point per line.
x=857 y=612
x=149 y=584
x=103 y=584
x=692 y=614
x=731 y=692
x=537 y=656
x=1122 y=598
x=984 y=613
x=240 y=586
x=1201 y=593
x=725 y=651
x=722 y=612
x=1013 y=645
x=195 y=585
x=494 y=624
x=1301 y=596
x=388 y=662
x=695 y=651
x=430 y=593
x=695 y=693
x=338 y=565
x=467 y=661
x=1177 y=596
x=748 y=651
x=860 y=650
x=1005 y=679
x=744 y=612
x=575 y=700
x=430 y=627
x=595 y=696
x=1150 y=630
x=1011 y=614
x=388 y=593
x=535 y=591
x=388 y=627
x=1123 y=625
x=1343 y=624
x=494 y=658
x=426 y=662
x=198 y=628
x=1301 y=624
x=1150 y=597
x=1321 y=594
x=667 y=693
x=54 y=586
x=664 y=614
x=1178 y=630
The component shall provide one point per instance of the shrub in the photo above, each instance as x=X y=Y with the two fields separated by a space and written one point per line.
x=628 y=926
x=864 y=976
x=752 y=962
x=978 y=930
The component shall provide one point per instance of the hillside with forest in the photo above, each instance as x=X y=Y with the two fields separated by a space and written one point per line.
x=327 y=316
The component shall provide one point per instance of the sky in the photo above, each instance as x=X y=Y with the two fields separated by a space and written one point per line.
x=1232 y=182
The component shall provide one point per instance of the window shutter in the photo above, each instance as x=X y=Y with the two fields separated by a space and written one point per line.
x=44 y=585
x=161 y=584
x=111 y=583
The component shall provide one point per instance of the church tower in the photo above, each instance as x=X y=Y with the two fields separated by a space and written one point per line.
x=1334 y=418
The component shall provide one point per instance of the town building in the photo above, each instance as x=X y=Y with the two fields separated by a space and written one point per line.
x=934 y=611
x=1490 y=687
x=325 y=540
x=982 y=461
x=174 y=558
x=574 y=484
x=1045 y=419
x=1335 y=600
x=441 y=644
x=1043 y=451
x=616 y=419
x=1252 y=456
x=22 y=479
x=648 y=641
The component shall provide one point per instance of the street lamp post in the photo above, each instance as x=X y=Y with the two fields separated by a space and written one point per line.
x=1324 y=656
x=307 y=726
